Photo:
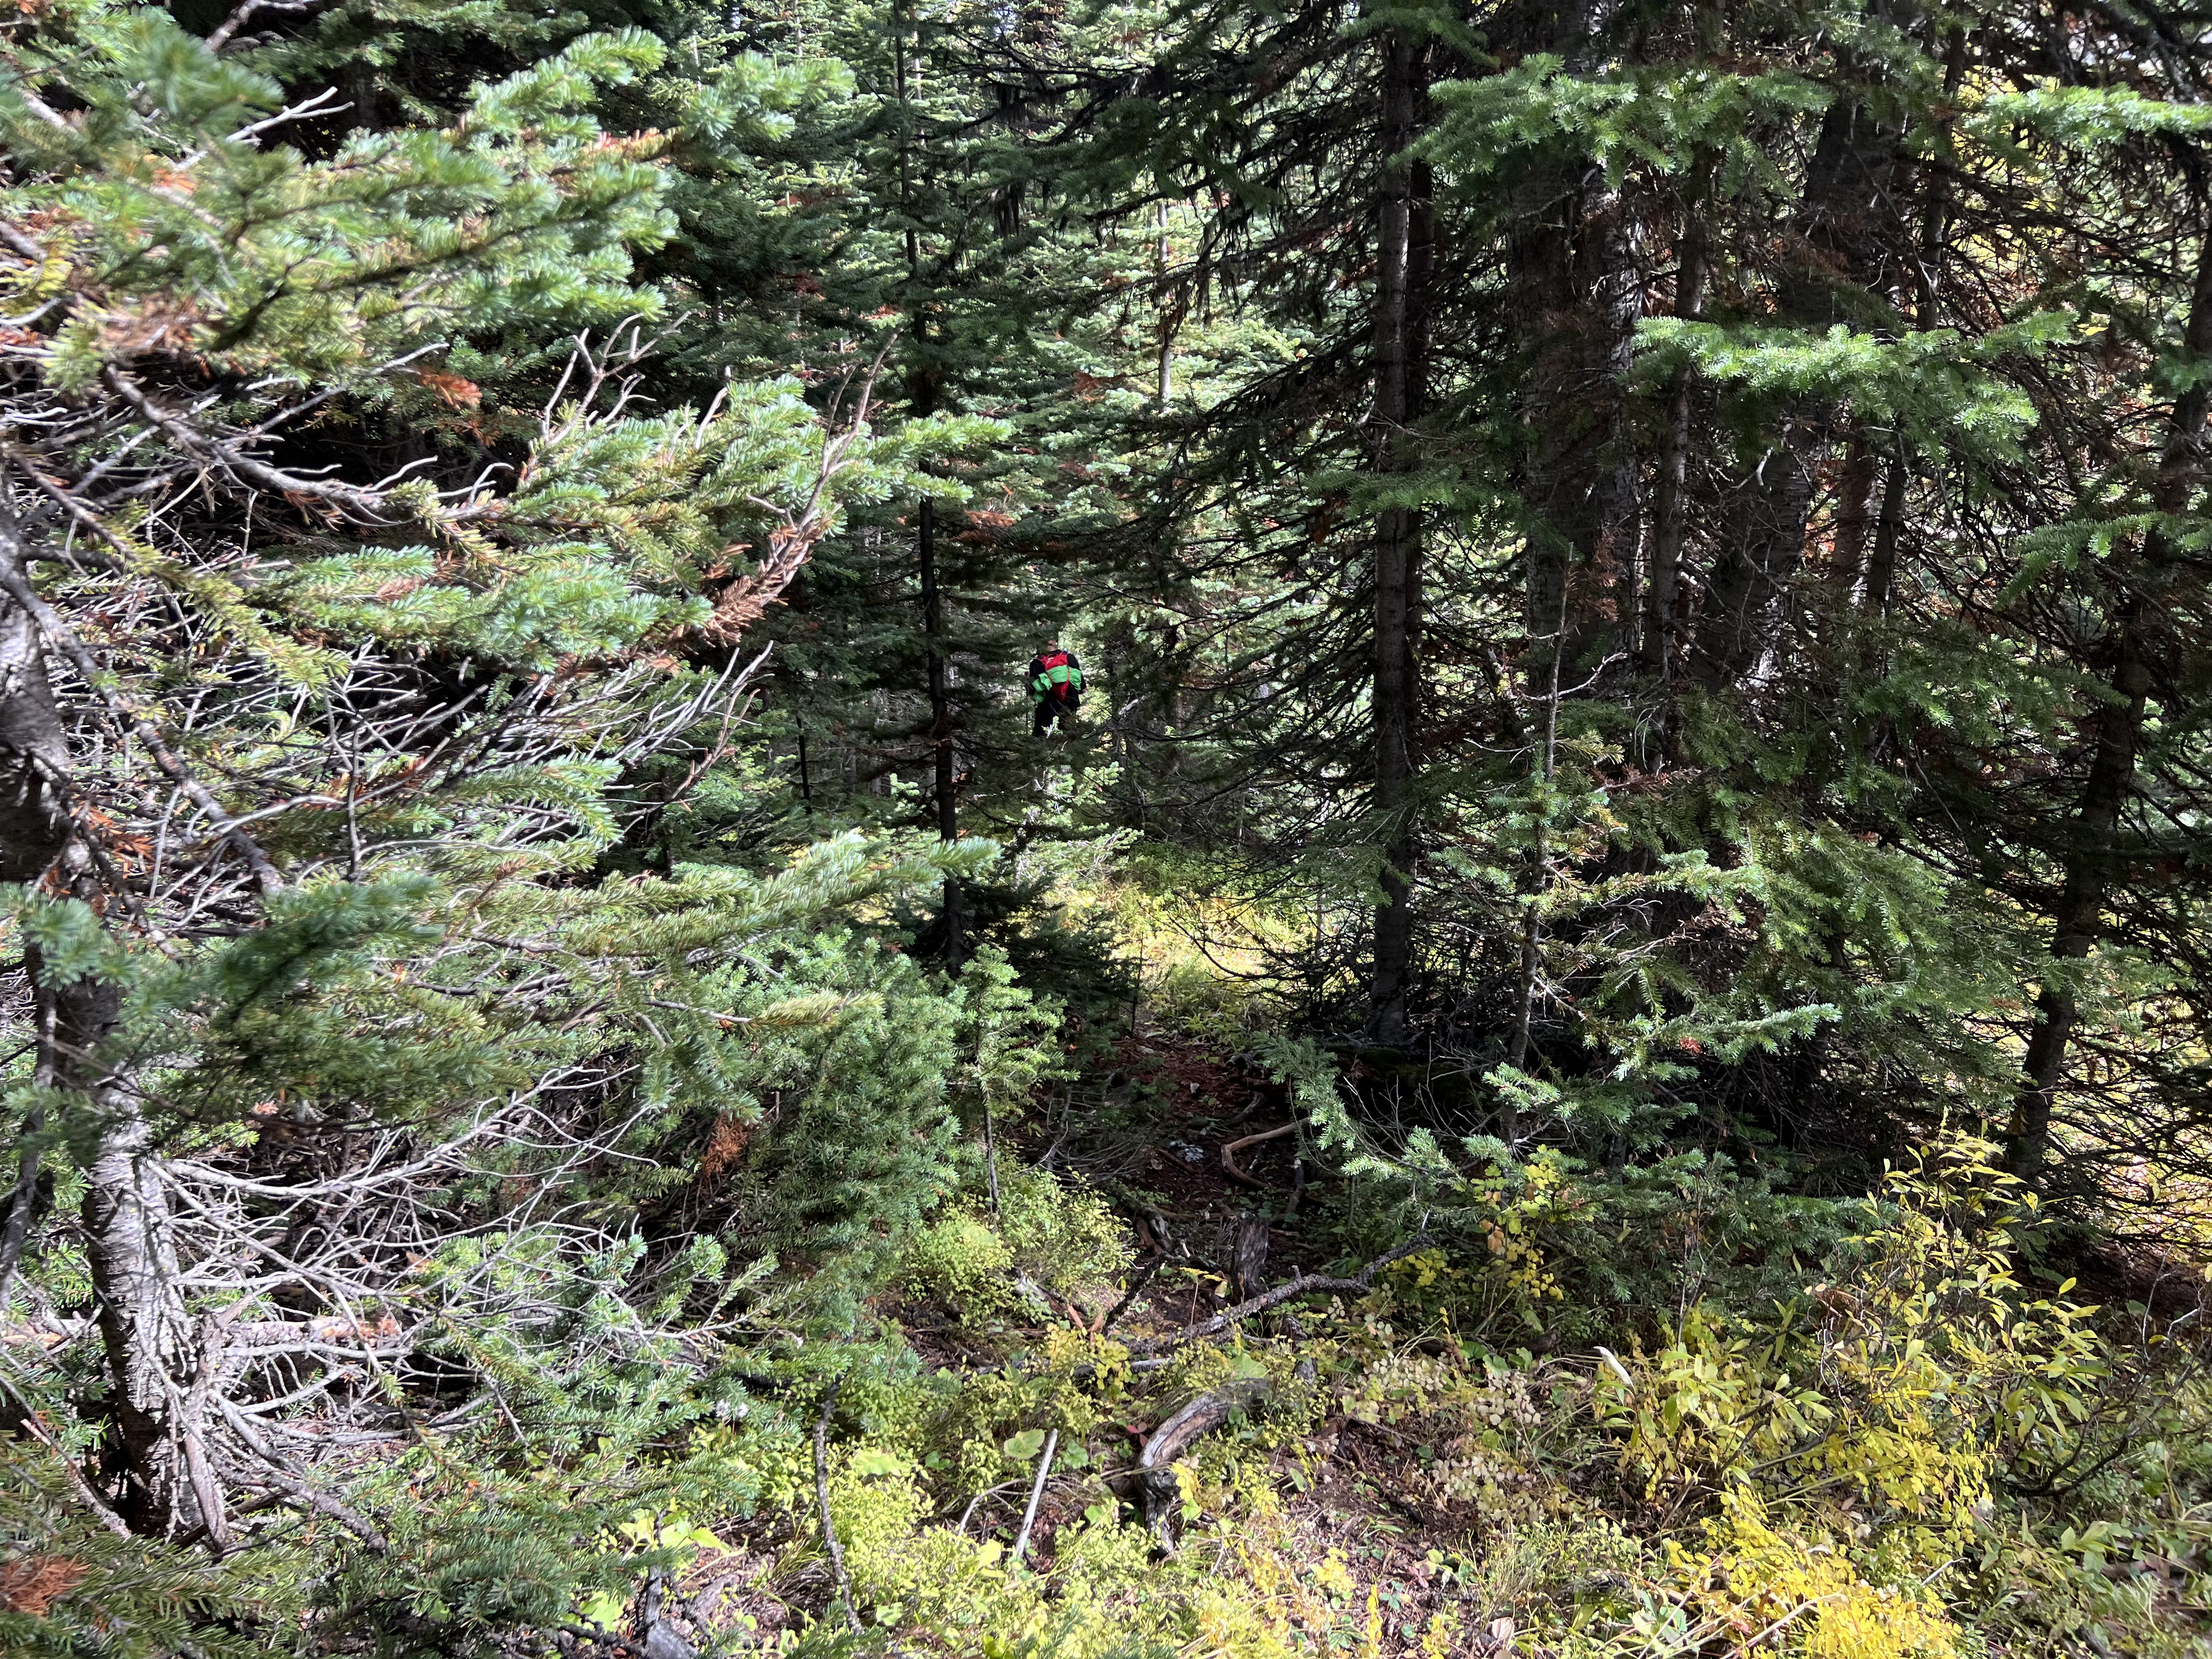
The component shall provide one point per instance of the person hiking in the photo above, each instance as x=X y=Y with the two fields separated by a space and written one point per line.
x=1055 y=687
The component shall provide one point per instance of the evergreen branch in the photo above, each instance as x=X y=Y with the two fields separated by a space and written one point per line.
x=106 y=1517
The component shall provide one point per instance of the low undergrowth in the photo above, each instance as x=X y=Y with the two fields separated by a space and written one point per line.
x=1658 y=1410
x=1913 y=1452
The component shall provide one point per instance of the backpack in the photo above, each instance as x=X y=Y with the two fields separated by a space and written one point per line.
x=1053 y=677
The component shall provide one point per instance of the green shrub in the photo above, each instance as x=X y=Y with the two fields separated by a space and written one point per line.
x=1064 y=1236
x=960 y=1259
x=1059 y=1237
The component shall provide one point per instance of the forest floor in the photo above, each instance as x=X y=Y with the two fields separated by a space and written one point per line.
x=1380 y=1479
x=1371 y=1500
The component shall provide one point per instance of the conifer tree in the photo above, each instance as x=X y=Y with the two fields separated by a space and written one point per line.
x=310 y=770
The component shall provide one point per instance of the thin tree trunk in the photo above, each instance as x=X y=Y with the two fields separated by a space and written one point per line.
x=1171 y=312
x=1927 y=301
x=1663 y=585
x=1935 y=220
x=901 y=91
x=1404 y=254
x=940 y=725
x=1532 y=923
x=1843 y=217
x=1881 y=568
x=921 y=396
x=2115 y=730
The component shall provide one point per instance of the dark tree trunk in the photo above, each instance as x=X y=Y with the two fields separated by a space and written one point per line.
x=1855 y=510
x=2095 y=852
x=1579 y=290
x=1845 y=227
x=1405 y=255
x=2078 y=919
x=1662 y=584
x=940 y=725
x=1881 y=568
x=1927 y=301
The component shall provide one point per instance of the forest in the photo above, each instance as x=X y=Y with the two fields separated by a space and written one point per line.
x=1106 y=828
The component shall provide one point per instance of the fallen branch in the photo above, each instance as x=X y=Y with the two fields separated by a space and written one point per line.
x=221 y=35
x=1303 y=1284
x=1229 y=1153
x=600 y=1636
x=968 y=1514
x=1129 y=1296
x=274 y=1472
x=1037 y=1494
x=821 y=1495
x=299 y=1492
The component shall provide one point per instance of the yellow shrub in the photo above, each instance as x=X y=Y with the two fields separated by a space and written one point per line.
x=1903 y=1386
x=1756 y=1583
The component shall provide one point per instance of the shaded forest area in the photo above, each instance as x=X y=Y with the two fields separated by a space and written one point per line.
x=1593 y=1040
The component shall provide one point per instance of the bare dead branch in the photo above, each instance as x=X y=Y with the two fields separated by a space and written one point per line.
x=1303 y=1284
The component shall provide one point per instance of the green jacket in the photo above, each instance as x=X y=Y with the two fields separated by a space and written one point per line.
x=1063 y=679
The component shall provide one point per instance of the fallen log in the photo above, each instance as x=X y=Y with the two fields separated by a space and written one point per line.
x=1156 y=1480
x=1155 y=1472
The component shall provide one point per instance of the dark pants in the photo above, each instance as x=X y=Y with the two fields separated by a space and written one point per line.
x=1051 y=710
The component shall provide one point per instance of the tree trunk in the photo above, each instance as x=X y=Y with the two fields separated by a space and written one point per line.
x=35 y=829
x=36 y=839
x=1854 y=516
x=152 y=1350
x=1843 y=223
x=940 y=725
x=1927 y=300
x=1579 y=292
x=1662 y=584
x=1405 y=253
x=1881 y=568
x=128 y=1238
x=1172 y=306
x=2115 y=730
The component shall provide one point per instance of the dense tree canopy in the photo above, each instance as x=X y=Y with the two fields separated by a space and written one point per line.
x=1593 y=1040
